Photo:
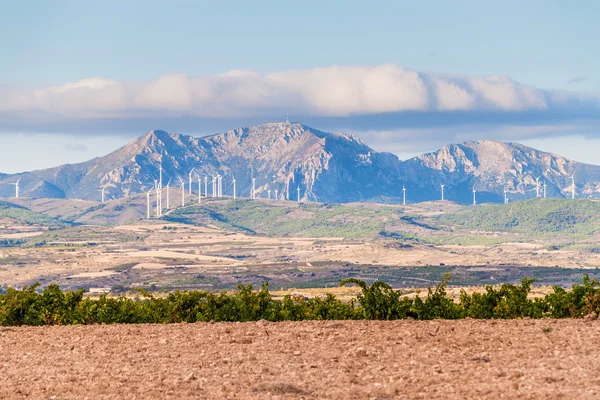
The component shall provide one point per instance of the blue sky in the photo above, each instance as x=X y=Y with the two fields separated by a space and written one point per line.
x=73 y=72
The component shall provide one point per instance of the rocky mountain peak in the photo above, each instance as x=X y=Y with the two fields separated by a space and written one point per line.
x=335 y=167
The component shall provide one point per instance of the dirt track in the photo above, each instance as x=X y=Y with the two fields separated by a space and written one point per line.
x=313 y=360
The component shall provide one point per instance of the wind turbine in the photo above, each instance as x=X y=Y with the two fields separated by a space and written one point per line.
x=287 y=191
x=160 y=170
x=219 y=185
x=276 y=195
x=158 y=196
x=158 y=188
x=168 y=183
x=537 y=187
x=505 y=196
x=403 y=195
x=234 y=188
x=253 y=188
x=206 y=186
x=102 y=189
x=298 y=189
x=474 y=197
x=160 y=183
x=16 y=184
x=190 y=179
x=148 y=203
x=199 y=189
x=442 y=186
x=572 y=186
x=182 y=192
x=545 y=189
x=214 y=186
x=269 y=194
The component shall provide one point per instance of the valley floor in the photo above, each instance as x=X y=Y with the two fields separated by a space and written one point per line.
x=337 y=360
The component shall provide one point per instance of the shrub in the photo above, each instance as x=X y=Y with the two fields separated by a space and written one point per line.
x=379 y=301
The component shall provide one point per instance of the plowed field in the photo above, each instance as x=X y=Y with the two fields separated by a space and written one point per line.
x=523 y=359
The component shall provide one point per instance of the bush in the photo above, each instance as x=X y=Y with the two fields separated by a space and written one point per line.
x=379 y=301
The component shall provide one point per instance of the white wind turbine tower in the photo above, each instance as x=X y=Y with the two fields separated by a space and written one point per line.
x=160 y=183
x=182 y=192
x=190 y=179
x=102 y=189
x=573 y=187
x=206 y=186
x=269 y=194
x=214 y=186
x=219 y=185
x=545 y=189
x=537 y=187
x=298 y=189
x=157 y=191
x=16 y=184
x=276 y=194
x=287 y=192
x=253 y=188
x=157 y=187
x=160 y=170
x=148 y=203
x=168 y=205
x=403 y=195
x=505 y=196
x=234 y=188
x=474 y=197
x=442 y=186
x=199 y=189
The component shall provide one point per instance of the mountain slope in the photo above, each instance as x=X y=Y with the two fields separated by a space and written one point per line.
x=280 y=156
x=491 y=167
x=331 y=167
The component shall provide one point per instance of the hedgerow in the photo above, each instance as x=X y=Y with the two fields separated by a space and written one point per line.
x=379 y=301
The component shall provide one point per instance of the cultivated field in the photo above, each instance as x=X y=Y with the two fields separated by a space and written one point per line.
x=223 y=243
x=528 y=359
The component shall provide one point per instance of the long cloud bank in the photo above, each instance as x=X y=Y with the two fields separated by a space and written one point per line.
x=392 y=108
x=335 y=91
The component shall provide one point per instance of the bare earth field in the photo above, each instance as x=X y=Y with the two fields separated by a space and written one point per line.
x=528 y=359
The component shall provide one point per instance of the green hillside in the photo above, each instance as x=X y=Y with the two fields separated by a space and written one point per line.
x=580 y=217
x=289 y=219
x=28 y=217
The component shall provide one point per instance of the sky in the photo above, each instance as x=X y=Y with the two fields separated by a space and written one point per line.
x=79 y=79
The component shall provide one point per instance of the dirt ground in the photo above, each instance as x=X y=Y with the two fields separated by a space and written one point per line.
x=524 y=359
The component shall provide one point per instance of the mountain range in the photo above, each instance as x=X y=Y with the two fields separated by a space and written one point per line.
x=328 y=167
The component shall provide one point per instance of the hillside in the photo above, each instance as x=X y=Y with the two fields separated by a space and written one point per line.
x=291 y=220
x=325 y=167
x=23 y=215
x=491 y=167
x=532 y=216
x=280 y=156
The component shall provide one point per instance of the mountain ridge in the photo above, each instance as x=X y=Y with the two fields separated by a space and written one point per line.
x=331 y=167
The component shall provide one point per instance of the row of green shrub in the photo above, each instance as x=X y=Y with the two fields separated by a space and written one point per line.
x=378 y=301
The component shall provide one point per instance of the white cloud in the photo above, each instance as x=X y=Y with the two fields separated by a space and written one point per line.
x=326 y=91
x=168 y=92
x=409 y=142
x=451 y=96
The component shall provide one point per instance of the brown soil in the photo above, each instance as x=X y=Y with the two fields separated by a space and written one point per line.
x=313 y=360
